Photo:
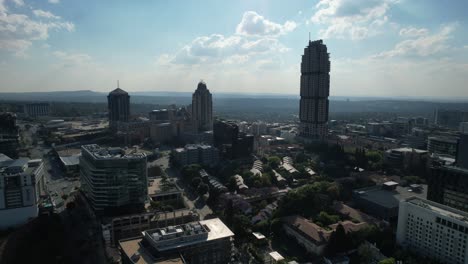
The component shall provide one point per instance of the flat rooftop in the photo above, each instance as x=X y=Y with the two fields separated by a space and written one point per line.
x=133 y=250
x=99 y=152
x=187 y=234
x=70 y=160
x=390 y=198
x=439 y=209
x=419 y=151
x=158 y=187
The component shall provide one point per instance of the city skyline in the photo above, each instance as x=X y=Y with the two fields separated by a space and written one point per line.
x=405 y=48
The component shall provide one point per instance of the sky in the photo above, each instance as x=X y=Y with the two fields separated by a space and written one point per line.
x=377 y=47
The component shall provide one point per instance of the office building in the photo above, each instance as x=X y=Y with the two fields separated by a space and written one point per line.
x=9 y=135
x=21 y=185
x=462 y=152
x=202 y=108
x=405 y=158
x=315 y=88
x=161 y=132
x=204 y=242
x=448 y=185
x=118 y=104
x=161 y=115
x=113 y=178
x=442 y=145
x=450 y=118
x=433 y=230
x=35 y=110
x=196 y=154
x=225 y=132
x=232 y=143
x=463 y=127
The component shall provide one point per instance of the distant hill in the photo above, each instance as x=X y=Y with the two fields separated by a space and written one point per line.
x=249 y=103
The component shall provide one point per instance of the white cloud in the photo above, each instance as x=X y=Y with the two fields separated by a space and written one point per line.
x=54 y=1
x=253 y=24
x=413 y=32
x=44 y=14
x=255 y=37
x=423 y=44
x=18 y=31
x=351 y=18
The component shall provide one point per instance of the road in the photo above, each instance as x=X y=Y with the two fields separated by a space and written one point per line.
x=56 y=184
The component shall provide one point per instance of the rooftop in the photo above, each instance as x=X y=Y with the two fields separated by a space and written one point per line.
x=118 y=91
x=70 y=160
x=389 y=198
x=419 y=151
x=138 y=255
x=159 y=187
x=276 y=256
x=315 y=233
x=99 y=152
x=439 y=209
x=187 y=234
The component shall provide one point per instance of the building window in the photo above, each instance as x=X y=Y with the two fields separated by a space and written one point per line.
x=28 y=195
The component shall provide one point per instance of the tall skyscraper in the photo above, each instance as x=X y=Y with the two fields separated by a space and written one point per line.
x=118 y=104
x=202 y=108
x=315 y=88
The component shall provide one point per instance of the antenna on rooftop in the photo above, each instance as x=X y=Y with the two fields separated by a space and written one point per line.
x=309 y=36
x=118 y=84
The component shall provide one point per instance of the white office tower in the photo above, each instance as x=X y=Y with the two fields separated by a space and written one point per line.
x=433 y=230
x=202 y=108
x=315 y=89
x=21 y=186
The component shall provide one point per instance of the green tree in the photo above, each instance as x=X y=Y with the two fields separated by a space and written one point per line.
x=195 y=182
x=191 y=171
x=274 y=161
x=388 y=261
x=326 y=219
x=364 y=253
x=202 y=189
x=338 y=242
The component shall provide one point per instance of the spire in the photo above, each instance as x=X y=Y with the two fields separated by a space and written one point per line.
x=118 y=84
x=309 y=36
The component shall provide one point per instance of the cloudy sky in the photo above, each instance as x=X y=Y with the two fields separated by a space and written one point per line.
x=377 y=47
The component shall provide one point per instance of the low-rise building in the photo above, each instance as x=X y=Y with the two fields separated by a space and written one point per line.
x=280 y=180
x=240 y=183
x=433 y=230
x=130 y=226
x=166 y=192
x=207 y=241
x=382 y=201
x=312 y=237
x=213 y=182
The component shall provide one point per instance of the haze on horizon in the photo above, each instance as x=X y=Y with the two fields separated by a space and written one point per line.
x=378 y=47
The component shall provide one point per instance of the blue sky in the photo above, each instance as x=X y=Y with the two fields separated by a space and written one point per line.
x=377 y=47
